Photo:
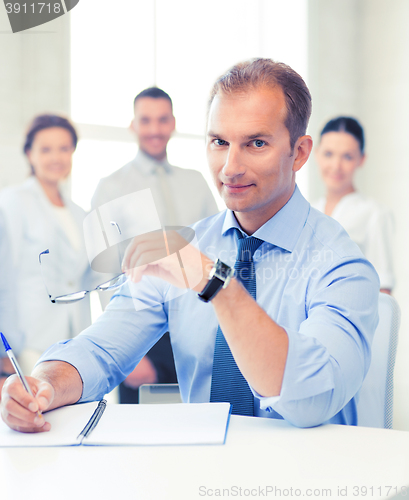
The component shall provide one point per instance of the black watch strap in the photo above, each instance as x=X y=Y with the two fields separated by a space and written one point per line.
x=219 y=277
x=211 y=289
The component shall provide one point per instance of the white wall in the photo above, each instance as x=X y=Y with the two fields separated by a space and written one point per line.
x=334 y=69
x=34 y=78
x=385 y=112
x=359 y=66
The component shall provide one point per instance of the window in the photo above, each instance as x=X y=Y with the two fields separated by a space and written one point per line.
x=180 y=46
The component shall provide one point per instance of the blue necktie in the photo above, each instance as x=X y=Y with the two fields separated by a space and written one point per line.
x=228 y=384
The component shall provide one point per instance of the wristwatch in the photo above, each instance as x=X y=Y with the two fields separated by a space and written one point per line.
x=219 y=277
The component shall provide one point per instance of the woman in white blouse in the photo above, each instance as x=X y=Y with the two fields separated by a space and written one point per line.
x=39 y=217
x=339 y=155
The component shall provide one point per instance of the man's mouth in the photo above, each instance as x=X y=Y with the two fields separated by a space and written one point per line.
x=237 y=188
x=156 y=138
x=57 y=168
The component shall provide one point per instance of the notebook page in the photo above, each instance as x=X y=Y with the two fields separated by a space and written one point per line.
x=162 y=424
x=66 y=424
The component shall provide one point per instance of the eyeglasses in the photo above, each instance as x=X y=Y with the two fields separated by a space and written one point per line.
x=112 y=284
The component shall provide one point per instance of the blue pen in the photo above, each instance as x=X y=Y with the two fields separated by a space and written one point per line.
x=17 y=368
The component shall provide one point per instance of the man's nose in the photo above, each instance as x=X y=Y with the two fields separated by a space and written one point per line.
x=336 y=163
x=233 y=165
x=154 y=128
x=56 y=155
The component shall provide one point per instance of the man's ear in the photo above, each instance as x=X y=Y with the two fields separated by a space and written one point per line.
x=302 y=151
x=132 y=126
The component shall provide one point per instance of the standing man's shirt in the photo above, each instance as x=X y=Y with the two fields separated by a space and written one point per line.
x=188 y=194
x=311 y=279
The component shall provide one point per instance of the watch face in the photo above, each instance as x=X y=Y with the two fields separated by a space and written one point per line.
x=222 y=270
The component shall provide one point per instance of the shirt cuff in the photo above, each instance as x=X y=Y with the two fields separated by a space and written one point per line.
x=94 y=383
x=266 y=402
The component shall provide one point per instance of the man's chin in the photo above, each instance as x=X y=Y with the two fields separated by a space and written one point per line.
x=157 y=154
x=236 y=206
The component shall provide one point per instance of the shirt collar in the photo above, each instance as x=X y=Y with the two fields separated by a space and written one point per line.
x=148 y=165
x=284 y=228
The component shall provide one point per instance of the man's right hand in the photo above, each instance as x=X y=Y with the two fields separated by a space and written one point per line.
x=19 y=410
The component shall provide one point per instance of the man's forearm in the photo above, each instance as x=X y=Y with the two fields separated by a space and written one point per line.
x=65 y=380
x=257 y=343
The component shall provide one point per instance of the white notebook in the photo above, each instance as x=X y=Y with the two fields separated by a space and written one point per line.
x=102 y=424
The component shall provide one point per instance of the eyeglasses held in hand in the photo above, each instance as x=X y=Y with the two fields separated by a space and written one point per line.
x=112 y=284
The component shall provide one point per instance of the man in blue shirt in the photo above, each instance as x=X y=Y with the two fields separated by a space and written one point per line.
x=303 y=346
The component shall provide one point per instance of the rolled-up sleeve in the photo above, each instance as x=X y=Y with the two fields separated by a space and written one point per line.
x=329 y=355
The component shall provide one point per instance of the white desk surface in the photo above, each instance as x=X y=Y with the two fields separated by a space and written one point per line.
x=258 y=453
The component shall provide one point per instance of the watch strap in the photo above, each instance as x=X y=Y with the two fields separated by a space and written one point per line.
x=219 y=277
x=210 y=290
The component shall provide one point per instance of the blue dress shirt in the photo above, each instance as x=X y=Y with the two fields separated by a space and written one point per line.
x=311 y=279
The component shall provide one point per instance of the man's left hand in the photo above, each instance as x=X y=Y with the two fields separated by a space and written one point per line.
x=166 y=255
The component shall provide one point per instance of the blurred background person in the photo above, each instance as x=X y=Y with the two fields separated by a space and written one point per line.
x=181 y=197
x=39 y=217
x=340 y=153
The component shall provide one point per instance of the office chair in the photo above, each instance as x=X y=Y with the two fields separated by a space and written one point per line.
x=375 y=403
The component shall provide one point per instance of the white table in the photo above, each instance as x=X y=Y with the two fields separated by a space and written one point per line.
x=258 y=453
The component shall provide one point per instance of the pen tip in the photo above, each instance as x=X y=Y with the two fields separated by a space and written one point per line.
x=5 y=343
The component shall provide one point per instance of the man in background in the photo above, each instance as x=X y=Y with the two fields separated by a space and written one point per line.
x=181 y=197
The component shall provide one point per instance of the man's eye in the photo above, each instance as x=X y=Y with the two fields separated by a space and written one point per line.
x=259 y=143
x=220 y=142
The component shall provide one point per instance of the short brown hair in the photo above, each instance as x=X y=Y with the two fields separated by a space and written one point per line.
x=154 y=93
x=260 y=72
